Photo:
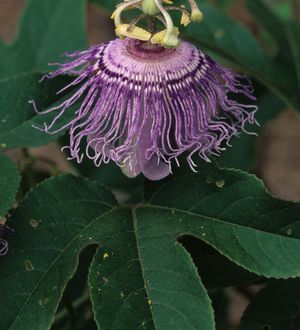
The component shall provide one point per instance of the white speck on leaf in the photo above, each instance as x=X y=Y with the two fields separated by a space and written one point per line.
x=28 y=265
x=33 y=223
x=220 y=183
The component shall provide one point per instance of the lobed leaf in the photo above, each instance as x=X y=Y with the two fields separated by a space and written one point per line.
x=55 y=222
x=141 y=275
x=231 y=211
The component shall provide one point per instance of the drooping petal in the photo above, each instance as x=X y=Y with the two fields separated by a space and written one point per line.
x=152 y=165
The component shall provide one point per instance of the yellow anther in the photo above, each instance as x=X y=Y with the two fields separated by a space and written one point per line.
x=170 y=40
x=159 y=37
x=124 y=30
x=167 y=38
x=185 y=18
x=197 y=16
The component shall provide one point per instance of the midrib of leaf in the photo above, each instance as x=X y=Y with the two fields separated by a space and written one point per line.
x=141 y=260
x=135 y=220
x=58 y=257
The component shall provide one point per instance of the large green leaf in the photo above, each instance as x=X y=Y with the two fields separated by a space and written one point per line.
x=141 y=276
x=17 y=115
x=9 y=183
x=175 y=295
x=53 y=224
x=276 y=307
x=48 y=28
x=232 y=212
x=71 y=213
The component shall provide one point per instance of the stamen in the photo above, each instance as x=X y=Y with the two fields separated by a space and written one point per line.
x=197 y=15
x=155 y=9
x=170 y=39
x=135 y=32
x=117 y=13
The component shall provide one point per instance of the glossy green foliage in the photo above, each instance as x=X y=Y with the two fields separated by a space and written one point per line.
x=160 y=256
x=19 y=121
x=140 y=270
x=9 y=183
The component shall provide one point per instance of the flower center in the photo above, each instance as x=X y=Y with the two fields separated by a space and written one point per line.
x=153 y=10
x=147 y=51
x=133 y=59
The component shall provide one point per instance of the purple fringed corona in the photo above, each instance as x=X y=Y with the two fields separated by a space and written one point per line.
x=142 y=105
x=4 y=230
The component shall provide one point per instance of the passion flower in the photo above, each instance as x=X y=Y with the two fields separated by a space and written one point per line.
x=142 y=104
